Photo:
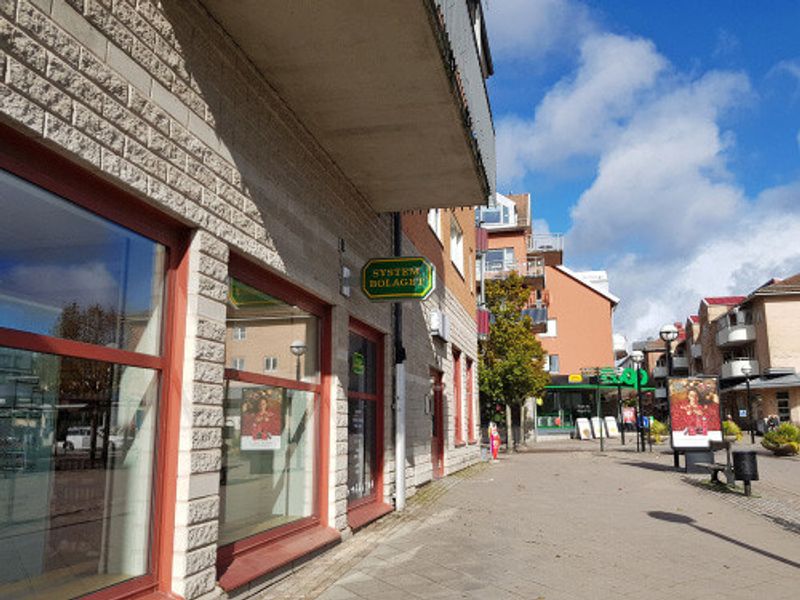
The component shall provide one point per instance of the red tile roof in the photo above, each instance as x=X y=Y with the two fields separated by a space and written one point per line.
x=694 y=318
x=725 y=300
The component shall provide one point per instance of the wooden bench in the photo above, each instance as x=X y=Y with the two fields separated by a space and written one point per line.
x=715 y=469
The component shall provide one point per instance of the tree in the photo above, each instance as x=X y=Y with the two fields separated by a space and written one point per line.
x=511 y=360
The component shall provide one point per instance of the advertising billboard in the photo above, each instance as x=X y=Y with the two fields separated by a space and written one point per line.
x=695 y=419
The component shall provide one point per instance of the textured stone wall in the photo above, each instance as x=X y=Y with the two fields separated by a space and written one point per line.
x=154 y=97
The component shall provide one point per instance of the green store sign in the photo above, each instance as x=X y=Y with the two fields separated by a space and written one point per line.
x=627 y=378
x=402 y=278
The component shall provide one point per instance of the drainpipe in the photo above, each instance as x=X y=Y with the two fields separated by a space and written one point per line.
x=399 y=384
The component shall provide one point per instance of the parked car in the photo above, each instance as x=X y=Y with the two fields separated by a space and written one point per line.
x=80 y=438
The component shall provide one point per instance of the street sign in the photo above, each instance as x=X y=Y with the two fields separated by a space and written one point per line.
x=742 y=412
x=401 y=278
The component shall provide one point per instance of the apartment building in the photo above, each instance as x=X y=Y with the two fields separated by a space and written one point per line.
x=194 y=392
x=571 y=311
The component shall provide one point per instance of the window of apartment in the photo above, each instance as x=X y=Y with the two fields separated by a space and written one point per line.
x=271 y=363
x=499 y=215
x=456 y=245
x=364 y=419
x=553 y=363
x=237 y=363
x=86 y=352
x=240 y=333
x=552 y=329
x=435 y=221
x=499 y=259
x=784 y=413
x=269 y=477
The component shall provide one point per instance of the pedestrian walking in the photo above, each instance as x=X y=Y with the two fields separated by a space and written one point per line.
x=494 y=439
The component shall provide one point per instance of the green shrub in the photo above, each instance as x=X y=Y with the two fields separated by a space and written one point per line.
x=731 y=428
x=784 y=440
x=658 y=431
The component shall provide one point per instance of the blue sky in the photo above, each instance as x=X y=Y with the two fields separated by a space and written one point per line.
x=662 y=137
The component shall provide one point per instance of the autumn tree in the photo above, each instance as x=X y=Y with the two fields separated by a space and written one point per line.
x=511 y=360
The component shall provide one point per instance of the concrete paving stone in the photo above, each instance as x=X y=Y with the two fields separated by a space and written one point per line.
x=576 y=525
x=337 y=593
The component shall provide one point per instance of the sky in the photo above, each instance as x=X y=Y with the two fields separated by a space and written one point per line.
x=663 y=138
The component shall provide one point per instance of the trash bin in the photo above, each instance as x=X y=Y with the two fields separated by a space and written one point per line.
x=745 y=468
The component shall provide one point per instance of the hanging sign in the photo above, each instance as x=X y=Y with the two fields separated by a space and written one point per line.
x=401 y=278
x=625 y=378
x=575 y=378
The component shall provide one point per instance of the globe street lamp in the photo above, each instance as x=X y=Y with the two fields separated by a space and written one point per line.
x=747 y=371
x=669 y=333
x=298 y=348
x=637 y=356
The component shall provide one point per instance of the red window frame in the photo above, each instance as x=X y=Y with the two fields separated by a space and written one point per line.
x=470 y=404
x=369 y=508
x=249 y=558
x=48 y=170
x=457 y=399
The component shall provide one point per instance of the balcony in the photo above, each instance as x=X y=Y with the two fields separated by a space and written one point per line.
x=548 y=246
x=393 y=92
x=661 y=393
x=538 y=314
x=481 y=240
x=736 y=335
x=680 y=363
x=659 y=372
x=697 y=351
x=733 y=368
x=531 y=271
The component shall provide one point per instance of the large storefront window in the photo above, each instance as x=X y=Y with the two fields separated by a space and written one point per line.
x=81 y=312
x=363 y=421
x=269 y=468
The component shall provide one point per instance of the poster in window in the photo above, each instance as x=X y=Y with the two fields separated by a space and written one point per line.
x=261 y=419
x=694 y=412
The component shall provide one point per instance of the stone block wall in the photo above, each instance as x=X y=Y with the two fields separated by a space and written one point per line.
x=154 y=97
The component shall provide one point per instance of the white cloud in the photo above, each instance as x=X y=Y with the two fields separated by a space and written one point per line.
x=57 y=285
x=664 y=214
x=582 y=115
x=530 y=31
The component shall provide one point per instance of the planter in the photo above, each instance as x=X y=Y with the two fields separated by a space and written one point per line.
x=787 y=449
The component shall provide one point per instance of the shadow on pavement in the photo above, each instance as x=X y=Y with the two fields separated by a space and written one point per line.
x=649 y=466
x=685 y=520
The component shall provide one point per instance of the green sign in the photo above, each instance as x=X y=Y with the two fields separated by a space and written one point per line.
x=358 y=363
x=402 y=278
x=627 y=378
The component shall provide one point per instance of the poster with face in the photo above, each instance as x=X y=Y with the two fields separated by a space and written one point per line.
x=261 y=419
x=694 y=412
x=629 y=415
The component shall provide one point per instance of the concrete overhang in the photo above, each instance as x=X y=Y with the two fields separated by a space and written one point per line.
x=384 y=88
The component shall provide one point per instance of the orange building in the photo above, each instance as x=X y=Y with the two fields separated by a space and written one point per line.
x=572 y=311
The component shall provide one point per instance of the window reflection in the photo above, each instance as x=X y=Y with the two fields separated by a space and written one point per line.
x=266 y=334
x=67 y=273
x=77 y=445
x=268 y=462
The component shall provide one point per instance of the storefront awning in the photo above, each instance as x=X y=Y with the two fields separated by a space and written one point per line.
x=769 y=383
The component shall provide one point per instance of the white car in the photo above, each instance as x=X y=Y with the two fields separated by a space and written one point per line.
x=80 y=438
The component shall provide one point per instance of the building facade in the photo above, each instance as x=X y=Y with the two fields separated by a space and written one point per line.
x=194 y=393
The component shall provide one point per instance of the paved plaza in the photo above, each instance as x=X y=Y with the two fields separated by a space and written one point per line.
x=569 y=522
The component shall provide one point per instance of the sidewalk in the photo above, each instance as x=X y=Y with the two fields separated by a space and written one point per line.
x=564 y=525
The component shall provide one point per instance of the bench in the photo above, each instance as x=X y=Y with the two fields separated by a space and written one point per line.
x=715 y=469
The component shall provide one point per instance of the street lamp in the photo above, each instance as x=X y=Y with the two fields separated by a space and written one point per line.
x=298 y=348
x=637 y=356
x=669 y=333
x=747 y=371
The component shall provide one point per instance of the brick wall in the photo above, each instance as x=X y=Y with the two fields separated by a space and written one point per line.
x=154 y=97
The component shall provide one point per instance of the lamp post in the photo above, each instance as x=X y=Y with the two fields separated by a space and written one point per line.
x=298 y=348
x=637 y=356
x=668 y=334
x=747 y=371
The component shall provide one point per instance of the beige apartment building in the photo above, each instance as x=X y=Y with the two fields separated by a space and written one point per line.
x=751 y=339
